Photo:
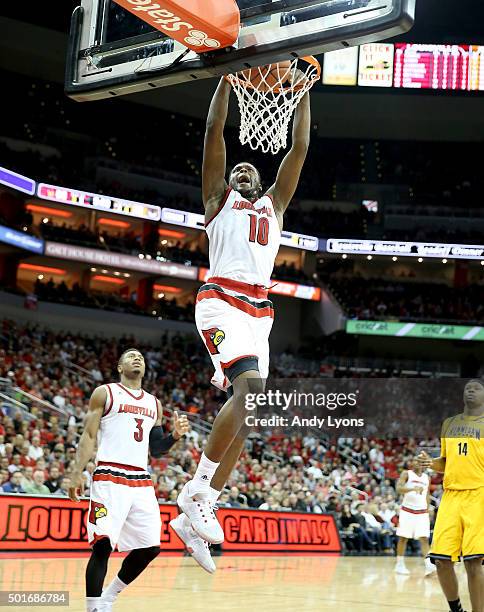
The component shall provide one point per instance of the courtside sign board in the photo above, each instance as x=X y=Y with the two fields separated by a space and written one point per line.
x=55 y=523
x=401 y=329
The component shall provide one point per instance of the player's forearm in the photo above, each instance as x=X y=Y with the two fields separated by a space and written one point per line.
x=85 y=451
x=438 y=465
x=219 y=107
x=302 y=124
x=159 y=444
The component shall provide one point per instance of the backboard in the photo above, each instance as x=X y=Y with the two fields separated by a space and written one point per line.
x=112 y=52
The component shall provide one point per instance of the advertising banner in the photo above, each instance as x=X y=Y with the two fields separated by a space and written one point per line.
x=21 y=240
x=416 y=330
x=99 y=202
x=404 y=249
x=118 y=260
x=56 y=523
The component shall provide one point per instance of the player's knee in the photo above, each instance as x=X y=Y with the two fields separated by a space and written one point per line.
x=247 y=382
x=443 y=565
x=473 y=567
x=102 y=549
x=152 y=552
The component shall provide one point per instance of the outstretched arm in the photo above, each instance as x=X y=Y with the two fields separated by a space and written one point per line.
x=290 y=169
x=213 y=171
x=85 y=449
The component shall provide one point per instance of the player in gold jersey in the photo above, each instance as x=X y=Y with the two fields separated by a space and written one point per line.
x=459 y=529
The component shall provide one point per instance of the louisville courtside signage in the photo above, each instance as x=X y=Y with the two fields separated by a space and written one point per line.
x=402 y=329
x=55 y=523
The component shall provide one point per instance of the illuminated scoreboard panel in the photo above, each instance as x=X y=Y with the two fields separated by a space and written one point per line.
x=476 y=68
x=432 y=66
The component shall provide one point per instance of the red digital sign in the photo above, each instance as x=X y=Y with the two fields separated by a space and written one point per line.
x=422 y=66
x=53 y=523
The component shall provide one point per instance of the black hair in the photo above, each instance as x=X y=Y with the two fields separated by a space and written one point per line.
x=124 y=353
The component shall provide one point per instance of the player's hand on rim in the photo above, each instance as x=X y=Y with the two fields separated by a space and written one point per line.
x=181 y=424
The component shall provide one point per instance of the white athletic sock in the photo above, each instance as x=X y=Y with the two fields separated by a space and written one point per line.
x=428 y=562
x=114 y=589
x=214 y=495
x=203 y=476
x=93 y=604
x=400 y=560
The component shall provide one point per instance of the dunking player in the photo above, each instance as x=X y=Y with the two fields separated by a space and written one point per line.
x=233 y=315
x=414 y=520
x=123 y=510
x=459 y=529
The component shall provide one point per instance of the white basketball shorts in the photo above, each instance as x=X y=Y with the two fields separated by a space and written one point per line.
x=413 y=524
x=123 y=507
x=234 y=320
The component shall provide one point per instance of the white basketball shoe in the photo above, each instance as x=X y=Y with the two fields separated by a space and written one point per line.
x=200 y=512
x=400 y=568
x=429 y=567
x=197 y=547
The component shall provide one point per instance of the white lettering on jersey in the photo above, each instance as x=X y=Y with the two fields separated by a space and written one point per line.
x=413 y=500
x=125 y=427
x=244 y=239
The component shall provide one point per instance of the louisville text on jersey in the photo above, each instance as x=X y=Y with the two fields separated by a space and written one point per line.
x=137 y=410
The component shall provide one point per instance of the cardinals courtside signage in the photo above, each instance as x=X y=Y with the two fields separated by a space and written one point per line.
x=56 y=523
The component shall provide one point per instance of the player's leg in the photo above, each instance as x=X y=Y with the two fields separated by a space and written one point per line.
x=425 y=548
x=96 y=570
x=140 y=535
x=400 y=567
x=473 y=544
x=447 y=545
x=108 y=508
x=229 y=338
x=448 y=582
x=135 y=563
x=231 y=420
x=475 y=582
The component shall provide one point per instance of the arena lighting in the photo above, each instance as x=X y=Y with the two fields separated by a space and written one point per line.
x=46 y=269
x=167 y=288
x=46 y=210
x=370 y=257
x=113 y=223
x=420 y=260
x=394 y=258
x=444 y=261
x=171 y=233
x=108 y=279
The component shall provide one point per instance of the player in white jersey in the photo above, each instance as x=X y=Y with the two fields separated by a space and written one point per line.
x=233 y=313
x=413 y=520
x=125 y=421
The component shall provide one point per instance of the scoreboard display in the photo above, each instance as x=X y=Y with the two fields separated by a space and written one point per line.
x=432 y=66
x=411 y=66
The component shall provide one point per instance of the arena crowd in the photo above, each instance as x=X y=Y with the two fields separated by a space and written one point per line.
x=352 y=478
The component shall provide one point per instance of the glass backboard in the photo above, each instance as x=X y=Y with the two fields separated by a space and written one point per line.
x=113 y=53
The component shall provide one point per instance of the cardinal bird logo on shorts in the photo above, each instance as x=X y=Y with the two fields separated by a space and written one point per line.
x=97 y=511
x=213 y=338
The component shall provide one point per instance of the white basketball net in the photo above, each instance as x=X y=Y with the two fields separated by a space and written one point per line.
x=266 y=108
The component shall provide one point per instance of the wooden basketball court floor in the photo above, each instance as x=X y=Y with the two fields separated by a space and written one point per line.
x=245 y=584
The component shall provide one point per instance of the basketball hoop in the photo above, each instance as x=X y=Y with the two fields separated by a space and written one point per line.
x=267 y=98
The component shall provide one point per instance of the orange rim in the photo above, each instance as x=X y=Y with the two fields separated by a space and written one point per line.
x=309 y=59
